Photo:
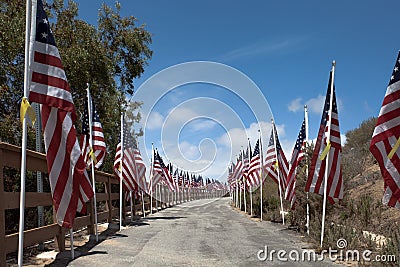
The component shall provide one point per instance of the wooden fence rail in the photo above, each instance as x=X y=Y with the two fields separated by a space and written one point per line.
x=10 y=156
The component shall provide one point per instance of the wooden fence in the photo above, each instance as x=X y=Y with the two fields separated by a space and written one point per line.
x=10 y=156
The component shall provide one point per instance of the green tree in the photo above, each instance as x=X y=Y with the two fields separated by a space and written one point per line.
x=108 y=57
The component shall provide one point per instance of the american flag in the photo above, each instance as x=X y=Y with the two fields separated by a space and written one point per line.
x=246 y=164
x=156 y=171
x=238 y=171
x=329 y=127
x=297 y=156
x=276 y=160
x=255 y=164
x=99 y=145
x=126 y=163
x=69 y=182
x=180 y=179
x=230 y=180
x=385 y=136
x=166 y=175
x=140 y=174
x=175 y=176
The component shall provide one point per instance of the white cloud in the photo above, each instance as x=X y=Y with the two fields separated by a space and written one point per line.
x=200 y=125
x=154 y=121
x=295 y=105
x=236 y=138
x=316 y=104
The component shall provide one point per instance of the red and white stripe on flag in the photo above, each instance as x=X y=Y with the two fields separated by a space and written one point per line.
x=316 y=176
x=385 y=139
x=99 y=145
x=127 y=167
x=297 y=156
x=253 y=176
x=156 y=172
x=276 y=160
x=140 y=170
x=69 y=182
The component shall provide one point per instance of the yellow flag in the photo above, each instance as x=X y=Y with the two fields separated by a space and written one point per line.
x=27 y=108
x=325 y=152
x=394 y=149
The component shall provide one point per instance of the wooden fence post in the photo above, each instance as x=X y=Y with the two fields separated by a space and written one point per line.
x=59 y=239
x=2 y=214
x=90 y=210
x=109 y=201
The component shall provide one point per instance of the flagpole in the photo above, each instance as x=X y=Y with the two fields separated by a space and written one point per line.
x=131 y=202
x=240 y=198
x=151 y=178
x=237 y=193
x=120 y=172
x=24 y=134
x=327 y=155
x=261 y=178
x=250 y=187
x=244 y=185
x=251 y=202
x=71 y=240
x=277 y=169
x=90 y=104
x=144 y=210
x=306 y=157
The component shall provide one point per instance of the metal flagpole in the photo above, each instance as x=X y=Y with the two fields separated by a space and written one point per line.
x=306 y=157
x=24 y=133
x=71 y=240
x=244 y=195
x=277 y=169
x=327 y=155
x=151 y=178
x=250 y=186
x=261 y=178
x=144 y=210
x=240 y=199
x=244 y=184
x=120 y=171
x=251 y=202
x=237 y=193
x=90 y=105
x=131 y=201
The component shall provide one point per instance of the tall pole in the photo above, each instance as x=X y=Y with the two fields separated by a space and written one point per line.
x=251 y=201
x=71 y=240
x=277 y=169
x=261 y=178
x=240 y=199
x=328 y=138
x=90 y=105
x=24 y=134
x=151 y=178
x=143 y=207
x=120 y=172
x=306 y=157
x=39 y=179
x=131 y=202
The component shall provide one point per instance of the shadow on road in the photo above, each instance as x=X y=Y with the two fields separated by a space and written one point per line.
x=64 y=258
x=163 y=218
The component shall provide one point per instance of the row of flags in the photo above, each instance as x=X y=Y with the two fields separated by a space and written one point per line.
x=68 y=159
x=325 y=161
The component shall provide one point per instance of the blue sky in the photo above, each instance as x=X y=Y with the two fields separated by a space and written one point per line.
x=285 y=47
